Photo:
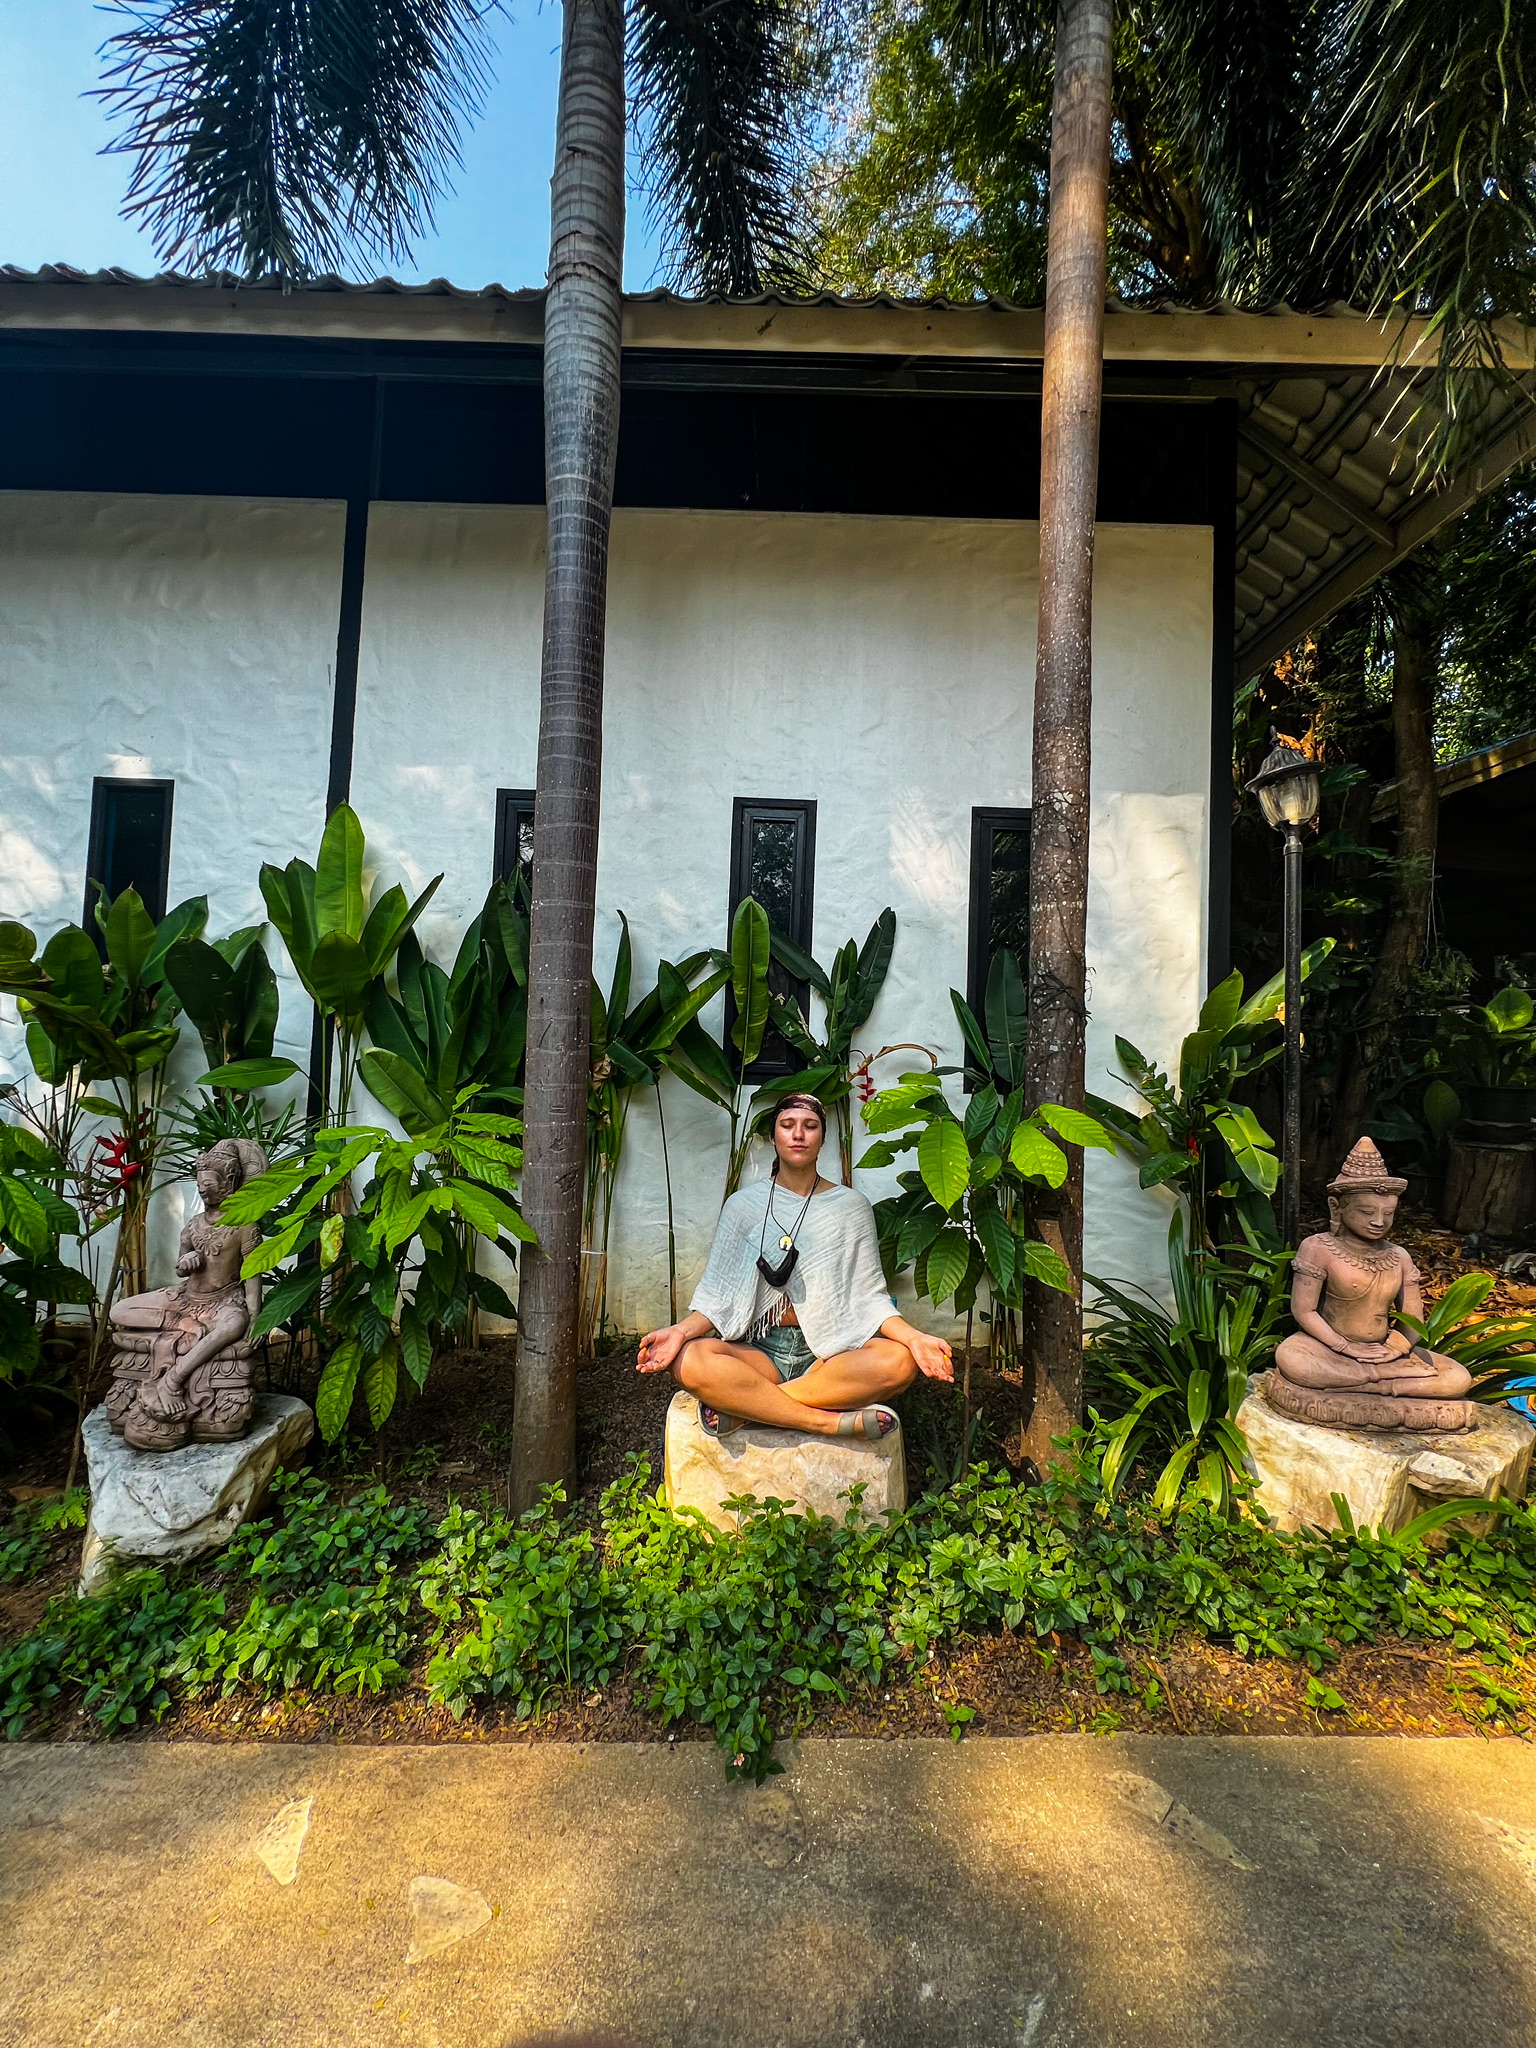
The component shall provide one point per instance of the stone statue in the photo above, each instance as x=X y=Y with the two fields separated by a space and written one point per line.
x=181 y=1366
x=1349 y=1366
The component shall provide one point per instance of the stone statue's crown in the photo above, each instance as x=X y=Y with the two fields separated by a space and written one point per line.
x=1364 y=1172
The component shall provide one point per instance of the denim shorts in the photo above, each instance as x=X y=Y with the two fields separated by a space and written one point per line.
x=785 y=1344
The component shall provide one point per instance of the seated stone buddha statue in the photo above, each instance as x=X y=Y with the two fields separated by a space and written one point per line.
x=1349 y=1365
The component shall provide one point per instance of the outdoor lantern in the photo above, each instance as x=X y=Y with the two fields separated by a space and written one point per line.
x=1286 y=786
x=1288 y=793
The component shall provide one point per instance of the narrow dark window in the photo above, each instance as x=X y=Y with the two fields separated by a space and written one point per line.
x=999 y=897
x=773 y=857
x=130 y=846
x=514 y=837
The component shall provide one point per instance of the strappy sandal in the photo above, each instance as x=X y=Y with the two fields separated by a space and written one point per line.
x=870 y=1423
x=713 y=1423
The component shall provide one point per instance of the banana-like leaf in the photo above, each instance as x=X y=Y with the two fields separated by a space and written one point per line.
x=339 y=975
x=874 y=964
x=623 y=965
x=1265 y=1004
x=750 y=952
x=188 y=920
x=245 y=1075
x=73 y=968
x=129 y=933
x=339 y=903
x=403 y=1090
x=1007 y=1014
x=1219 y=1011
x=799 y=963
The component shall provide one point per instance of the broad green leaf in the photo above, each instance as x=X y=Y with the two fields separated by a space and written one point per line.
x=338 y=1384
x=623 y=963
x=894 y=1108
x=1265 y=1004
x=1034 y=1155
x=73 y=965
x=380 y=1383
x=1218 y=1013
x=18 y=951
x=1510 y=1010
x=1076 y=1127
x=977 y=1050
x=129 y=933
x=944 y=1161
x=1043 y=1263
x=1163 y=1167
x=1258 y=1165
x=682 y=1013
x=999 y=1245
x=873 y=965
x=339 y=877
x=948 y=1257
x=272 y=1250
x=1007 y=1014
x=487 y=1213
x=204 y=983
x=750 y=952
x=339 y=975
x=980 y=1112
x=1442 y=1108
x=248 y=1074
x=415 y=1345
x=917 y=1233
x=402 y=1089
x=187 y=920
x=332 y=1236
x=799 y=963
x=1460 y=1299
x=290 y=1297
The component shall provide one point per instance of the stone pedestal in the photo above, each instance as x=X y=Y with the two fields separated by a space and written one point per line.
x=813 y=1474
x=174 y=1505
x=1386 y=1475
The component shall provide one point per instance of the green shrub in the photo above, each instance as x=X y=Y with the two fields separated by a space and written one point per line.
x=748 y=1635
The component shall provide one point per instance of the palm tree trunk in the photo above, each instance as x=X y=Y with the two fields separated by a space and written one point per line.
x=1415 y=672
x=1072 y=382
x=582 y=324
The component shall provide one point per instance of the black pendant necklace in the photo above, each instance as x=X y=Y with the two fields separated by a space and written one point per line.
x=776 y=1276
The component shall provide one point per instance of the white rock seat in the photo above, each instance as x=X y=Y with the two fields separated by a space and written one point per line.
x=169 y=1506
x=811 y=1473
x=1387 y=1476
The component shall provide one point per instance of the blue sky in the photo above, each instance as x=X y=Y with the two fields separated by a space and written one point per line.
x=60 y=198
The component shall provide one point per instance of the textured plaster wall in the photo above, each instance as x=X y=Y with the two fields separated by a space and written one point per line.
x=883 y=667
x=185 y=637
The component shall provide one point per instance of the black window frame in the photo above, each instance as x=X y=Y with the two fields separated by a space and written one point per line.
x=98 y=881
x=745 y=813
x=987 y=820
x=512 y=806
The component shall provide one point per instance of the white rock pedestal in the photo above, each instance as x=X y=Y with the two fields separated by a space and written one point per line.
x=1386 y=1475
x=812 y=1474
x=176 y=1505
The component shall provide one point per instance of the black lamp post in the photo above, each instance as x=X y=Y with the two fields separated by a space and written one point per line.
x=1288 y=793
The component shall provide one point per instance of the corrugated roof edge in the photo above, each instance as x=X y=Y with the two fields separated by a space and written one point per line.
x=441 y=287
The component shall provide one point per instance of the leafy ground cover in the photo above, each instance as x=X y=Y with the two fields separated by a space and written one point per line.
x=386 y=1597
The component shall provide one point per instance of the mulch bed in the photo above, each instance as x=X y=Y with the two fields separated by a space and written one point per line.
x=455 y=1439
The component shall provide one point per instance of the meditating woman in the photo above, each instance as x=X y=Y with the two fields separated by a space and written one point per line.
x=793 y=1323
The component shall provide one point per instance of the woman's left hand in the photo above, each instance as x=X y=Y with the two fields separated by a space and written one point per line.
x=932 y=1355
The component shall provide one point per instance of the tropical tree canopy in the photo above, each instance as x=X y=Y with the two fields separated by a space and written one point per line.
x=1380 y=151
x=285 y=136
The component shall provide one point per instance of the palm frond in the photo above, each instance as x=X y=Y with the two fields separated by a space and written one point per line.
x=718 y=92
x=1424 y=175
x=275 y=135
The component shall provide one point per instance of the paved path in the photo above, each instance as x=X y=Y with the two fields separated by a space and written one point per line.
x=1047 y=1892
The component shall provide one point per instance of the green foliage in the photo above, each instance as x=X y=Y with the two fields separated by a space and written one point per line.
x=1498 y=1349
x=960 y=1219
x=444 y=1031
x=995 y=1053
x=33 y=1218
x=229 y=993
x=27 y=1537
x=748 y=1635
x=1492 y=1045
x=1171 y=1385
x=339 y=944
x=848 y=995
x=1193 y=1135
x=376 y=1300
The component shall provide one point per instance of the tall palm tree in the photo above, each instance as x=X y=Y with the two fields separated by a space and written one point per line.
x=278 y=136
x=1382 y=151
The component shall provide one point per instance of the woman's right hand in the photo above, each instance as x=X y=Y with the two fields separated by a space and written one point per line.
x=659 y=1349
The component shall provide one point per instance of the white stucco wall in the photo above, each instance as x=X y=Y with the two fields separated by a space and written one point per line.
x=191 y=638
x=883 y=667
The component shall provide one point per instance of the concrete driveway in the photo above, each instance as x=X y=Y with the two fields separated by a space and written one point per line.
x=1046 y=1892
